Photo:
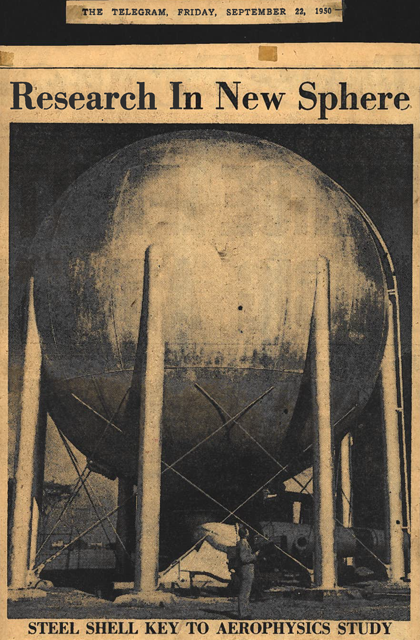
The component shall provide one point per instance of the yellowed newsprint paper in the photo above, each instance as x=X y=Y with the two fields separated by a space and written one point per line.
x=210 y=271
x=207 y=12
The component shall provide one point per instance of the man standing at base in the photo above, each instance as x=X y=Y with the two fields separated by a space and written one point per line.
x=245 y=564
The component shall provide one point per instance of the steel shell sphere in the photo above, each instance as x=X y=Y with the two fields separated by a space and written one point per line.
x=240 y=223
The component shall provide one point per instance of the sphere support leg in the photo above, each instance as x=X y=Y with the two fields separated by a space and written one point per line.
x=29 y=467
x=392 y=475
x=346 y=497
x=150 y=378
x=38 y=483
x=325 y=566
x=125 y=526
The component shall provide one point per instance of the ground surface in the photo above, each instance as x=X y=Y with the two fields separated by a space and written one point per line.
x=69 y=603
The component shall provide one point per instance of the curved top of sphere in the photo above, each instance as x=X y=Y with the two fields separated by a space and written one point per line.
x=240 y=223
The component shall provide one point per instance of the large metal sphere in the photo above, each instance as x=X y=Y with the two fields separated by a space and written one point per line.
x=241 y=223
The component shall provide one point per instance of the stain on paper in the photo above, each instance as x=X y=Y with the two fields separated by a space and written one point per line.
x=267 y=54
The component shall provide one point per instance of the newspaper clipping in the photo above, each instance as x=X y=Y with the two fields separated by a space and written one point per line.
x=210 y=270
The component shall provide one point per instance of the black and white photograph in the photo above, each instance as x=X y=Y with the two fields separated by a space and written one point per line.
x=210 y=347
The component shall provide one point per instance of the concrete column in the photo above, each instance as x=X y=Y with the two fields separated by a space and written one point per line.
x=325 y=566
x=26 y=453
x=38 y=480
x=125 y=525
x=393 y=485
x=150 y=437
x=346 y=486
x=150 y=359
x=297 y=511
